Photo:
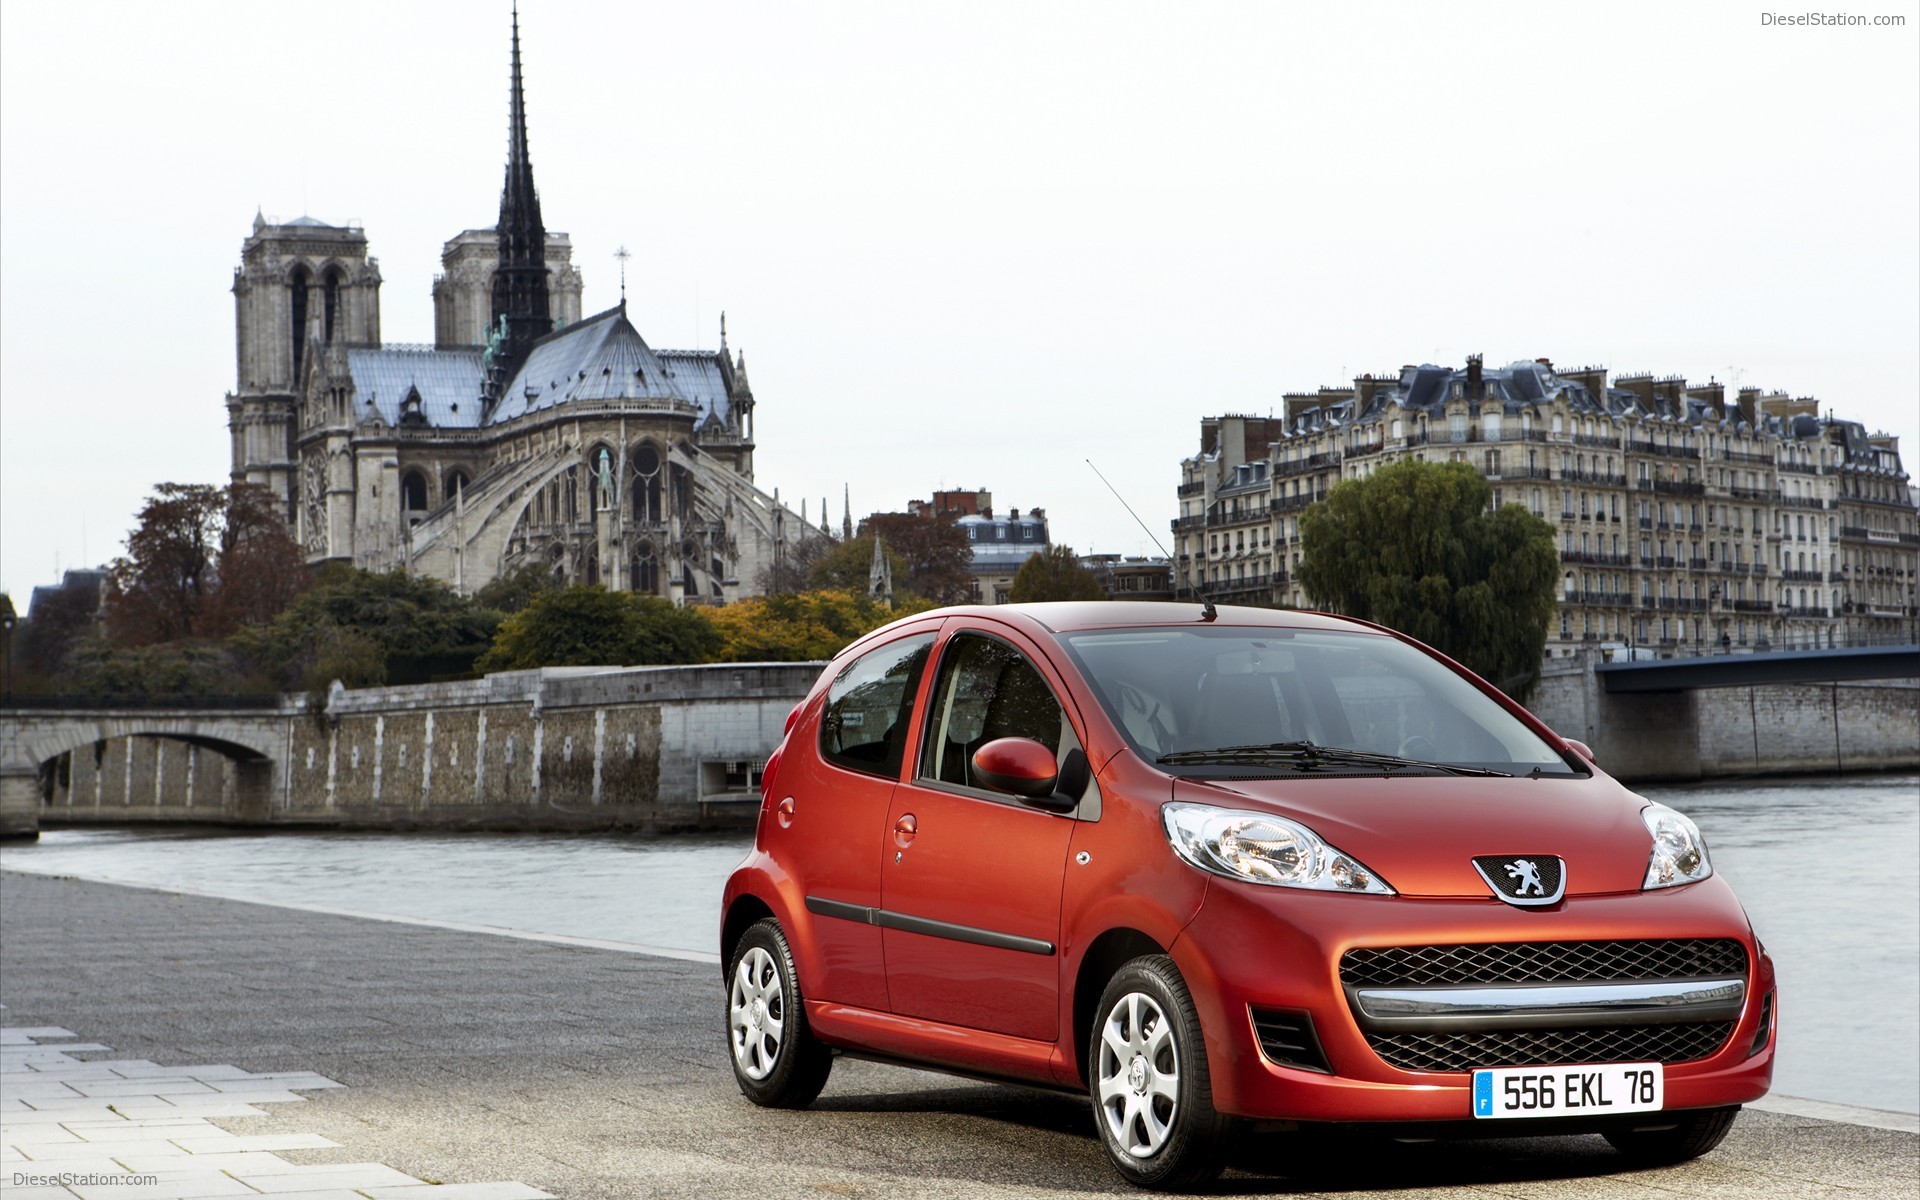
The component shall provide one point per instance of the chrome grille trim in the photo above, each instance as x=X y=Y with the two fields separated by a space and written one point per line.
x=1542 y=1006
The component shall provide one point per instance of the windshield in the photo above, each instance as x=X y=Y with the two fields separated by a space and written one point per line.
x=1240 y=701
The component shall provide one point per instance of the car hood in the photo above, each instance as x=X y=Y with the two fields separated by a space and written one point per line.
x=1421 y=833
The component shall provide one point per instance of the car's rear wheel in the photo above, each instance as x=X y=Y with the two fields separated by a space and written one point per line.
x=776 y=1059
x=1147 y=1074
x=1694 y=1135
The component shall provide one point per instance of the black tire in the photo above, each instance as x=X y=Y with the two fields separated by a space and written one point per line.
x=1157 y=1134
x=776 y=1059
x=1696 y=1133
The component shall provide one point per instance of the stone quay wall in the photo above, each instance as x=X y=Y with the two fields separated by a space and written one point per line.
x=560 y=748
x=1771 y=729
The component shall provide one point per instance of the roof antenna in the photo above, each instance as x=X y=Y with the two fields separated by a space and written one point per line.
x=1207 y=612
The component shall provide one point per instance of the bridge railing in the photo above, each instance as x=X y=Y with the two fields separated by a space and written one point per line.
x=83 y=700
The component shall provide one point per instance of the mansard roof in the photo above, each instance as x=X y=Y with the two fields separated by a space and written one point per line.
x=448 y=380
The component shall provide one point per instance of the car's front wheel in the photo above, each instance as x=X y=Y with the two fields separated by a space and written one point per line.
x=1694 y=1135
x=1147 y=1073
x=776 y=1059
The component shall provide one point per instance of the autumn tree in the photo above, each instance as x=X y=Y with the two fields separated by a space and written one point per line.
x=588 y=626
x=1055 y=574
x=201 y=562
x=801 y=626
x=935 y=550
x=1416 y=546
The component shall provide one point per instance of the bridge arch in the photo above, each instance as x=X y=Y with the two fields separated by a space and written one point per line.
x=43 y=755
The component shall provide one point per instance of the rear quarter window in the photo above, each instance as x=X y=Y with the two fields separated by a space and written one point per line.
x=869 y=707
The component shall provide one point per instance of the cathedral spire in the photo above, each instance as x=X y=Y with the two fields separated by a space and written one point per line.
x=521 y=313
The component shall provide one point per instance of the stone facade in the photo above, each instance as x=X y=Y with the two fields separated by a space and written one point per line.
x=518 y=437
x=1686 y=519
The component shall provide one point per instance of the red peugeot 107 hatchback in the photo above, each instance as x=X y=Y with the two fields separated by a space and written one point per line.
x=1211 y=866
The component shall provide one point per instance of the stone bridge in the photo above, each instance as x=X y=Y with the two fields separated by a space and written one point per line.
x=249 y=742
x=578 y=747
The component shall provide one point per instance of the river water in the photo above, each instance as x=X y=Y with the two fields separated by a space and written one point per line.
x=1828 y=867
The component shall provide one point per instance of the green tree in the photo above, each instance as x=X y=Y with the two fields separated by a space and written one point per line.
x=588 y=626
x=515 y=589
x=1055 y=574
x=415 y=627
x=849 y=564
x=167 y=670
x=1414 y=547
x=800 y=626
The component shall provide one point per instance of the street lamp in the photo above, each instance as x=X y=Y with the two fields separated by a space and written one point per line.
x=7 y=622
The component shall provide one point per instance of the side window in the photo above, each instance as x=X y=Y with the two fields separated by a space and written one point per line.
x=987 y=690
x=870 y=707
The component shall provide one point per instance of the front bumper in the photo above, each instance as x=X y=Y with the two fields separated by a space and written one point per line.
x=1279 y=950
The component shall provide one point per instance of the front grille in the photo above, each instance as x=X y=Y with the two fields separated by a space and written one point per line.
x=1287 y=1038
x=1544 y=962
x=1550 y=1047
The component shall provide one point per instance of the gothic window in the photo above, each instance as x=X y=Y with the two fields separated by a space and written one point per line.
x=457 y=482
x=413 y=492
x=648 y=503
x=331 y=299
x=601 y=489
x=297 y=286
x=646 y=570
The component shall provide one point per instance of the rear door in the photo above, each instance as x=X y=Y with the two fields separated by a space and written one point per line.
x=971 y=878
x=839 y=788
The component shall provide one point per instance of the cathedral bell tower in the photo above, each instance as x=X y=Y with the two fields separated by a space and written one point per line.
x=521 y=310
x=301 y=286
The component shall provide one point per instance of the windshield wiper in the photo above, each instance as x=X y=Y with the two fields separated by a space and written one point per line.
x=1308 y=757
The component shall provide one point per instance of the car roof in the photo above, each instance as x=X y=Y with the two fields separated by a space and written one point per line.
x=1072 y=616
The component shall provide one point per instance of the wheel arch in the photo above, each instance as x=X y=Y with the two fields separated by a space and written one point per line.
x=746 y=911
x=1104 y=957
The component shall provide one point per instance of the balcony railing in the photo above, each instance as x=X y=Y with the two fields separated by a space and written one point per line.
x=1662 y=451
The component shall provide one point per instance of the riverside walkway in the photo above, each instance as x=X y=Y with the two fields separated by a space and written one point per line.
x=596 y=1074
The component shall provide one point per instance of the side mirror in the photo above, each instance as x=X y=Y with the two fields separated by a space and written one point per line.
x=1023 y=767
x=1582 y=749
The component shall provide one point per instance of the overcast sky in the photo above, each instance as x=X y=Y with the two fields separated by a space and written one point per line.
x=967 y=244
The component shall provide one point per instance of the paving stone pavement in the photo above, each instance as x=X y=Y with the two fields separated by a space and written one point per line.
x=599 y=1075
x=134 y=1129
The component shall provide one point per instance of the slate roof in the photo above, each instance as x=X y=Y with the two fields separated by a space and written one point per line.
x=600 y=358
x=449 y=383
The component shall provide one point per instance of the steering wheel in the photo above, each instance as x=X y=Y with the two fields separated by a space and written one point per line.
x=1419 y=746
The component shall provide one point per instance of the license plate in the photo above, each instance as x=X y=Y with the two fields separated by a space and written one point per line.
x=1567 y=1091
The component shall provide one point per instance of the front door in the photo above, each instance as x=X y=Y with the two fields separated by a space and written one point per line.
x=971 y=878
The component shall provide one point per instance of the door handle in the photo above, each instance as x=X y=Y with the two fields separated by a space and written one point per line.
x=904 y=829
x=783 y=812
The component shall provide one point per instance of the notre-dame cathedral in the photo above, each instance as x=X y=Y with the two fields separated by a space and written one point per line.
x=524 y=434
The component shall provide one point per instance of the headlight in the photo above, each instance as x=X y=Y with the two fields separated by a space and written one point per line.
x=1262 y=848
x=1679 y=852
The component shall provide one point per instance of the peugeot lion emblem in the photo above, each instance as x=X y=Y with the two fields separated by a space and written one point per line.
x=1526 y=880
